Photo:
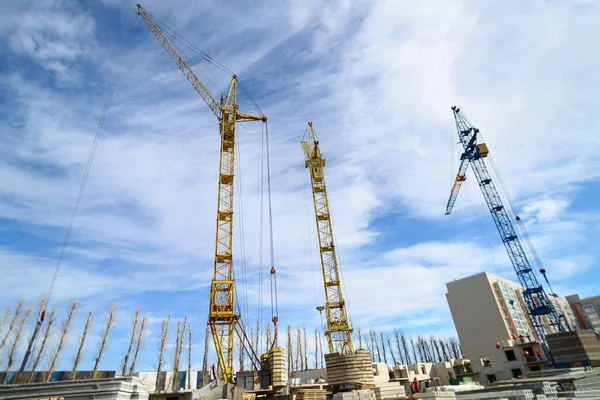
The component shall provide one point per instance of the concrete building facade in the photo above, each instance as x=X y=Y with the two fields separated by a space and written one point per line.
x=587 y=311
x=495 y=332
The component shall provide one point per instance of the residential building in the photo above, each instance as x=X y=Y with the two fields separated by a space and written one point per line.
x=495 y=332
x=587 y=311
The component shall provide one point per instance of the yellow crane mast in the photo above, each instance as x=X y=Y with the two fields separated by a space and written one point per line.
x=338 y=332
x=222 y=317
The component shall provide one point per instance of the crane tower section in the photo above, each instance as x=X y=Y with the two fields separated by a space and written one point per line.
x=338 y=332
x=537 y=302
x=222 y=317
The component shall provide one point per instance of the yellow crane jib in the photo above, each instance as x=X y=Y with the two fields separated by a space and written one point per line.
x=338 y=332
x=222 y=317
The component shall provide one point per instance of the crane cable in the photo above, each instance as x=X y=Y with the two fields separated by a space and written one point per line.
x=273 y=272
x=210 y=60
x=99 y=128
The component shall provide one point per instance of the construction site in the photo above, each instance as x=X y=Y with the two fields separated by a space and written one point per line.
x=517 y=339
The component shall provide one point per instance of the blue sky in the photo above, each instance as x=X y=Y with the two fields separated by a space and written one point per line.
x=376 y=78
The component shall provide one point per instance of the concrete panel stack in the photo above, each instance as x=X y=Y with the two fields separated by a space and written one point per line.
x=569 y=347
x=122 y=388
x=311 y=394
x=509 y=394
x=276 y=363
x=365 y=394
x=343 y=369
x=585 y=394
x=389 y=390
x=435 y=395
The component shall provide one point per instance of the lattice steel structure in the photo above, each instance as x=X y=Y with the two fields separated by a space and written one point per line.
x=338 y=332
x=538 y=304
x=222 y=317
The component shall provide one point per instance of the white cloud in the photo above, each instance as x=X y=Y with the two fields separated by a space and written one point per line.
x=377 y=81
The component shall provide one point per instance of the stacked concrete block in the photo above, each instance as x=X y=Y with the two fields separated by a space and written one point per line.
x=389 y=390
x=311 y=394
x=122 y=388
x=343 y=369
x=509 y=394
x=366 y=394
x=568 y=347
x=435 y=395
x=582 y=394
x=276 y=364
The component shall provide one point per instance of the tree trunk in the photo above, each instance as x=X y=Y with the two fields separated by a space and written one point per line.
x=110 y=319
x=138 y=344
x=359 y=333
x=15 y=344
x=316 y=348
x=177 y=355
x=205 y=358
x=131 y=341
x=63 y=337
x=164 y=334
x=383 y=350
x=389 y=343
x=405 y=348
x=305 y=350
x=290 y=357
x=298 y=350
x=414 y=350
x=40 y=353
x=189 y=371
x=81 y=344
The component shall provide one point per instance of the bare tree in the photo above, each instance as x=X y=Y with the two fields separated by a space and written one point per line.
x=399 y=346
x=138 y=344
x=205 y=357
x=383 y=350
x=190 y=341
x=40 y=353
x=299 y=350
x=375 y=344
x=161 y=349
x=242 y=353
x=268 y=338
x=110 y=319
x=6 y=317
x=414 y=350
x=359 y=333
x=443 y=349
x=15 y=344
x=389 y=343
x=405 y=348
x=11 y=326
x=134 y=325
x=289 y=348
x=321 y=357
x=64 y=331
x=316 y=348
x=177 y=353
x=369 y=348
x=81 y=344
x=305 y=349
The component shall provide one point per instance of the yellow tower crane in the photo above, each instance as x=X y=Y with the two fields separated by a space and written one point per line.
x=338 y=332
x=222 y=316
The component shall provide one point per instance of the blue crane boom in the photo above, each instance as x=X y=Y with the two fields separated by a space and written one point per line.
x=537 y=302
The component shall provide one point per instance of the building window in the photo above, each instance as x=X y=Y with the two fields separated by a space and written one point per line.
x=491 y=378
x=516 y=372
x=423 y=369
x=486 y=362
x=535 y=368
x=510 y=355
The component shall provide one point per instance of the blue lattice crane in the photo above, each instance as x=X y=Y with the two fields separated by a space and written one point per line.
x=537 y=302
